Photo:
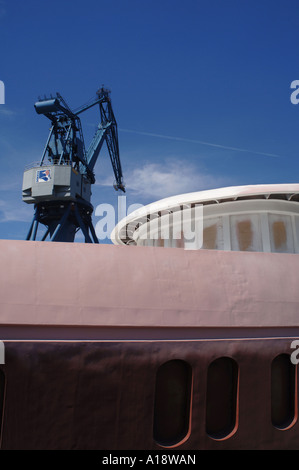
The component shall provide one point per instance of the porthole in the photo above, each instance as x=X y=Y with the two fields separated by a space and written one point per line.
x=172 y=403
x=283 y=392
x=222 y=398
x=2 y=392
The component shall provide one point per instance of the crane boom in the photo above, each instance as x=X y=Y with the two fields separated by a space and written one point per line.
x=60 y=185
x=107 y=130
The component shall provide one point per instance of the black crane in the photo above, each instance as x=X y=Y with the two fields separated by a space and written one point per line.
x=59 y=185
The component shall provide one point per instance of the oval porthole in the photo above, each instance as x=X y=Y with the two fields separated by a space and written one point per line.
x=172 y=403
x=222 y=398
x=2 y=391
x=283 y=392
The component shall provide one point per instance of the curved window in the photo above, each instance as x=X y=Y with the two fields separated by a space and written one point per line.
x=283 y=391
x=222 y=398
x=172 y=402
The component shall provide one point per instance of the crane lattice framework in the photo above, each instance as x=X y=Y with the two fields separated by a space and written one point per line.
x=59 y=185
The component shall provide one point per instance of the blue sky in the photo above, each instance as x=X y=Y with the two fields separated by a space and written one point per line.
x=200 y=90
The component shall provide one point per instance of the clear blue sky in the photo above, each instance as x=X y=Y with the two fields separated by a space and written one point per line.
x=191 y=83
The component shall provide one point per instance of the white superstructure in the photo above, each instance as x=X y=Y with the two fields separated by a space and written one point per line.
x=261 y=218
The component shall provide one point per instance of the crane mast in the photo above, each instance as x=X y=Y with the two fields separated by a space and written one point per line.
x=59 y=185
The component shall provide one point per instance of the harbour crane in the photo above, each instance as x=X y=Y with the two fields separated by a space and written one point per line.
x=59 y=185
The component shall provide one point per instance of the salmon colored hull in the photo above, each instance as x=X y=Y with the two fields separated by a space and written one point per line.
x=86 y=329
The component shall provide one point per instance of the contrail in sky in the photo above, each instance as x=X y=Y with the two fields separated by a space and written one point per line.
x=192 y=141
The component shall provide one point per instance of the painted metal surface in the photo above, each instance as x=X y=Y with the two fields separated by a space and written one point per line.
x=87 y=327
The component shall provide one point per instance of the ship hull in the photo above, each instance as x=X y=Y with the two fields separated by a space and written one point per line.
x=87 y=329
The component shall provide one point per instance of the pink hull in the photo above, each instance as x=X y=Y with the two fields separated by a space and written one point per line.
x=87 y=327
